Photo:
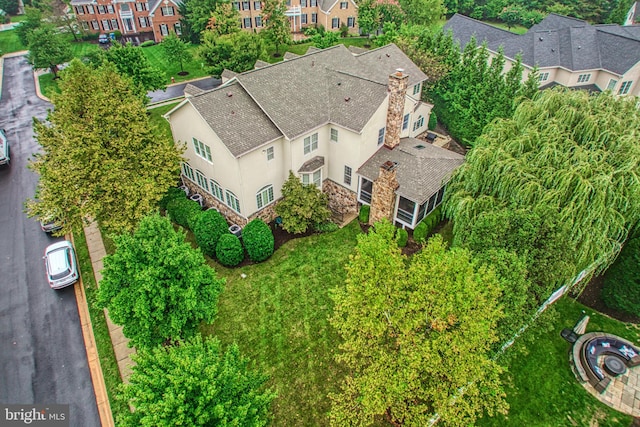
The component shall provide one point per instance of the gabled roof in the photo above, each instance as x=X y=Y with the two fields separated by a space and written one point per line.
x=558 y=41
x=295 y=97
x=153 y=5
x=421 y=168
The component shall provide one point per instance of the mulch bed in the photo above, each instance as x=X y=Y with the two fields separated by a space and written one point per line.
x=591 y=296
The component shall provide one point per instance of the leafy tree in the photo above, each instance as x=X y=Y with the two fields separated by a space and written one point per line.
x=301 y=206
x=422 y=12
x=391 y=12
x=101 y=157
x=511 y=15
x=236 y=52
x=389 y=34
x=567 y=152
x=48 y=49
x=176 y=50
x=32 y=20
x=325 y=40
x=258 y=240
x=207 y=230
x=229 y=250
x=417 y=335
x=10 y=6
x=195 y=17
x=224 y=20
x=368 y=17
x=130 y=61
x=195 y=383
x=157 y=286
x=277 y=28
x=414 y=42
x=621 y=290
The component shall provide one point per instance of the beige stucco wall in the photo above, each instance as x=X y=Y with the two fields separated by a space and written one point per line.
x=632 y=75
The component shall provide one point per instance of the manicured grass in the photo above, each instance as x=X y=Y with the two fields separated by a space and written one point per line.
x=9 y=42
x=541 y=388
x=172 y=68
x=18 y=18
x=100 y=330
x=81 y=49
x=48 y=86
x=518 y=29
x=278 y=315
x=301 y=49
x=157 y=119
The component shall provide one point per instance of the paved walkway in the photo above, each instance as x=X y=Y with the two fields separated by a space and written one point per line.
x=120 y=343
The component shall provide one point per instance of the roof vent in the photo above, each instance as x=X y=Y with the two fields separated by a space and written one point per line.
x=347 y=99
x=388 y=56
x=553 y=50
x=419 y=147
x=339 y=83
x=229 y=94
x=540 y=38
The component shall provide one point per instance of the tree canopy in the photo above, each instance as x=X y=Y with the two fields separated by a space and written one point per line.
x=101 y=157
x=131 y=62
x=224 y=20
x=423 y=12
x=417 y=335
x=48 y=49
x=195 y=383
x=569 y=153
x=277 y=28
x=176 y=50
x=195 y=17
x=157 y=286
x=236 y=52
x=302 y=206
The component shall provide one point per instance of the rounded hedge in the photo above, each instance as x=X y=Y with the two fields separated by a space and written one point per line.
x=171 y=194
x=207 y=230
x=183 y=211
x=402 y=237
x=420 y=232
x=258 y=240
x=621 y=288
x=229 y=250
x=363 y=216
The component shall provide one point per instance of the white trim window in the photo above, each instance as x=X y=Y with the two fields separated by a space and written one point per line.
x=335 y=23
x=334 y=135
x=418 y=123
x=351 y=22
x=177 y=27
x=583 y=78
x=270 y=154
x=114 y=24
x=247 y=22
x=314 y=16
x=166 y=10
x=264 y=196
x=202 y=149
x=347 y=175
x=95 y=25
x=233 y=202
x=85 y=25
x=258 y=20
x=164 y=30
x=187 y=171
x=79 y=10
x=405 y=122
x=344 y=5
x=625 y=87
x=416 y=89
x=311 y=143
x=314 y=178
x=543 y=77
x=201 y=180
x=381 y=136
x=143 y=22
x=216 y=190
x=90 y=9
x=257 y=5
x=612 y=84
x=105 y=25
x=110 y=8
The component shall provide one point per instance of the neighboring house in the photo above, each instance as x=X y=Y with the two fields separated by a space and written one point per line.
x=341 y=121
x=331 y=14
x=136 y=20
x=567 y=51
x=633 y=16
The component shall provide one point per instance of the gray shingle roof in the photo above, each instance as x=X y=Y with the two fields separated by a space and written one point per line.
x=235 y=118
x=420 y=171
x=558 y=41
x=260 y=64
x=289 y=55
x=303 y=93
x=312 y=165
x=190 y=89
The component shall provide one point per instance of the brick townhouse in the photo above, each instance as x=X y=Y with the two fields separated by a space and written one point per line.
x=136 y=20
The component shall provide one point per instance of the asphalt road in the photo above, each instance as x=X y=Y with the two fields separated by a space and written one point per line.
x=42 y=354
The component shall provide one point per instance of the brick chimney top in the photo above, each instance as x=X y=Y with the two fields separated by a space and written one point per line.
x=389 y=165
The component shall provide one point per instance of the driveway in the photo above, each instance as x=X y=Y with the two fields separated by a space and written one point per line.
x=177 y=90
x=42 y=355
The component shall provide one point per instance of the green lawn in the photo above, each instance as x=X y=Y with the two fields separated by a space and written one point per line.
x=157 y=119
x=518 y=29
x=48 y=86
x=278 y=315
x=9 y=42
x=301 y=49
x=171 y=68
x=18 y=18
x=541 y=388
x=100 y=330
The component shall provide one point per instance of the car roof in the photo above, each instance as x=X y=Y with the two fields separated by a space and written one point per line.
x=58 y=261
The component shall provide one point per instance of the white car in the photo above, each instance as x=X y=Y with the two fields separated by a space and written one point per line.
x=4 y=148
x=60 y=264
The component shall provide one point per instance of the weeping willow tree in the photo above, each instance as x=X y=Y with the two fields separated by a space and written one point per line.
x=568 y=152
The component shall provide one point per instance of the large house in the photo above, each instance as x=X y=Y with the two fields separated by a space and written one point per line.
x=135 y=19
x=342 y=121
x=331 y=14
x=567 y=51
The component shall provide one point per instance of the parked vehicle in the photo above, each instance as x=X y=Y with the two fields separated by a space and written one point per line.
x=104 y=39
x=49 y=225
x=60 y=264
x=4 y=148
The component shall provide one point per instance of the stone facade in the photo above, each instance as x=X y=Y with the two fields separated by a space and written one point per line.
x=383 y=196
x=342 y=201
x=397 y=92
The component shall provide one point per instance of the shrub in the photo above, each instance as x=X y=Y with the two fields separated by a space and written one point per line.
x=172 y=193
x=147 y=43
x=433 y=121
x=229 y=250
x=327 y=227
x=621 y=289
x=424 y=228
x=301 y=206
x=207 y=230
x=183 y=211
x=344 y=30
x=420 y=232
x=402 y=237
x=258 y=240
x=363 y=216
x=310 y=31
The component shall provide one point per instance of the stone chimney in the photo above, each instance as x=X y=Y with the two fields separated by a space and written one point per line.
x=397 y=91
x=383 y=194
